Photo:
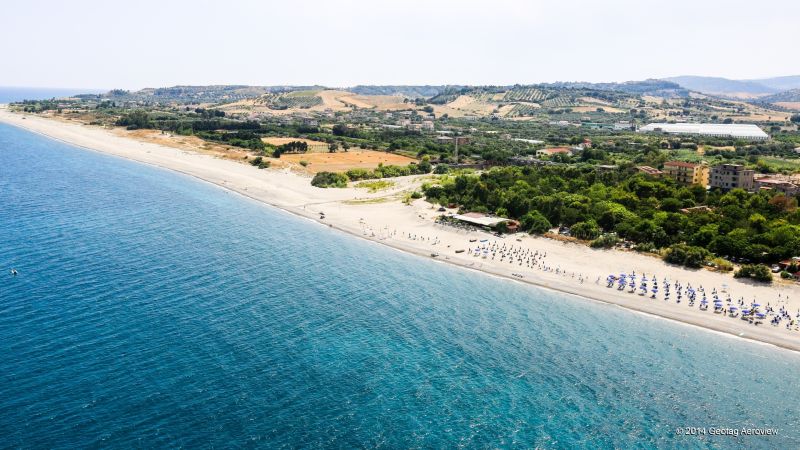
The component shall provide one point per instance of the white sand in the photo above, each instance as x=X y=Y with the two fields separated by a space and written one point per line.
x=383 y=218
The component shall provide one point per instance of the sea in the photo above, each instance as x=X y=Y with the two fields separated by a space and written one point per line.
x=18 y=94
x=152 y=309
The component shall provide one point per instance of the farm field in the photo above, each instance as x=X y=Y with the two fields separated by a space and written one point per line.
x=343 y=161
x=592 y=108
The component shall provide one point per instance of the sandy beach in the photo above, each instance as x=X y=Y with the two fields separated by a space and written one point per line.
x=383 y=217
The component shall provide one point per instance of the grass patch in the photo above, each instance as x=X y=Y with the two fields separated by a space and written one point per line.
x=375 y=186
x=366 y=201
x=780 y=164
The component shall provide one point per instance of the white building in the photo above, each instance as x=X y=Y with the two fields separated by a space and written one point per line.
x=725 y=130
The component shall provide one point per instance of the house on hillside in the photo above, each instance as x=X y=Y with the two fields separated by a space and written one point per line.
x=647 y=170
x=787 y=185
x=732 y=176
x=686 y=173
x=554 y=151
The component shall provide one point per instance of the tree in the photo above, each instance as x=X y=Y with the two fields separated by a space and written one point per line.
x=795 y=118
x=332 y=147
x=686 y=255
x=441 y=169
x=340 y=129
x=758 y=272
x=585 y=230
x=425 y=166
x=135 y=120
x=535 y=223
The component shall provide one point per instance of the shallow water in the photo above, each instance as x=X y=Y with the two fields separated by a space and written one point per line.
x=152 y=309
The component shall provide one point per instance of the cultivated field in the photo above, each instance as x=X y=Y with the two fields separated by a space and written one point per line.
x=342 y=161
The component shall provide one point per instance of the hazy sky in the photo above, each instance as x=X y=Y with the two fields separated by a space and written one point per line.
x=147 y=43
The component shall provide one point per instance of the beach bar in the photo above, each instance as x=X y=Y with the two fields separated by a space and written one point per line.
x=486 y=221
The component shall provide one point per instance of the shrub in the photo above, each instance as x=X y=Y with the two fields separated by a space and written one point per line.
x=758 y=272
x=375 y=186
x=607 y=240
x=722 y=264
x=304 y=163
x=329 y=179
x=786 y=275
x=646 y=247
x=686 y=255
x=260 y=162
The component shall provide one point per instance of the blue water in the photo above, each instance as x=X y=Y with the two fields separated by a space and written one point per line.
x=17 y=94
x=152 y=309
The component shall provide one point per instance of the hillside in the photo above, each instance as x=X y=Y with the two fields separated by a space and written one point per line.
x=407 y=91
x=199 y=94
x=573 y=102
x=723 y=86
x=652 y=87
x=787 y=99
x=781 y=83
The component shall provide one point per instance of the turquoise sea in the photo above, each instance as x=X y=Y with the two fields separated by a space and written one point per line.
x=155 y=310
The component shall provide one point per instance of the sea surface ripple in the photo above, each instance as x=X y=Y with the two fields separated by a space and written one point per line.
x=155 y=310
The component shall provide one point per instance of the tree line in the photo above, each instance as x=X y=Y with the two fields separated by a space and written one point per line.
x=655 y=214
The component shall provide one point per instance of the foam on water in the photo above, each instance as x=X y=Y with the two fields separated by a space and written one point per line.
x=152 y=309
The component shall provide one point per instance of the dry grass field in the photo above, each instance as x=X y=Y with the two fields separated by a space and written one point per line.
x=789 y=105
x=591 y=108
x=313 y=146
x=342 y=161
x=190 y=143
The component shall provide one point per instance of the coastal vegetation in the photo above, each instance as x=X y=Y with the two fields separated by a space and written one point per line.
x=329 y=179
x=375 y=186
x=591 y=191
x=623 y=206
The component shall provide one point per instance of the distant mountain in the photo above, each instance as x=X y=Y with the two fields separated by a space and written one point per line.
x=781 y=83
x=652 y=87
x=724 y=86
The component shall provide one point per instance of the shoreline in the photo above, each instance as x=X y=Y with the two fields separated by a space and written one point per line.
x=293 y=194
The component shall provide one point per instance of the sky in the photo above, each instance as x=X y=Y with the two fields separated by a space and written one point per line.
x=340 y=43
